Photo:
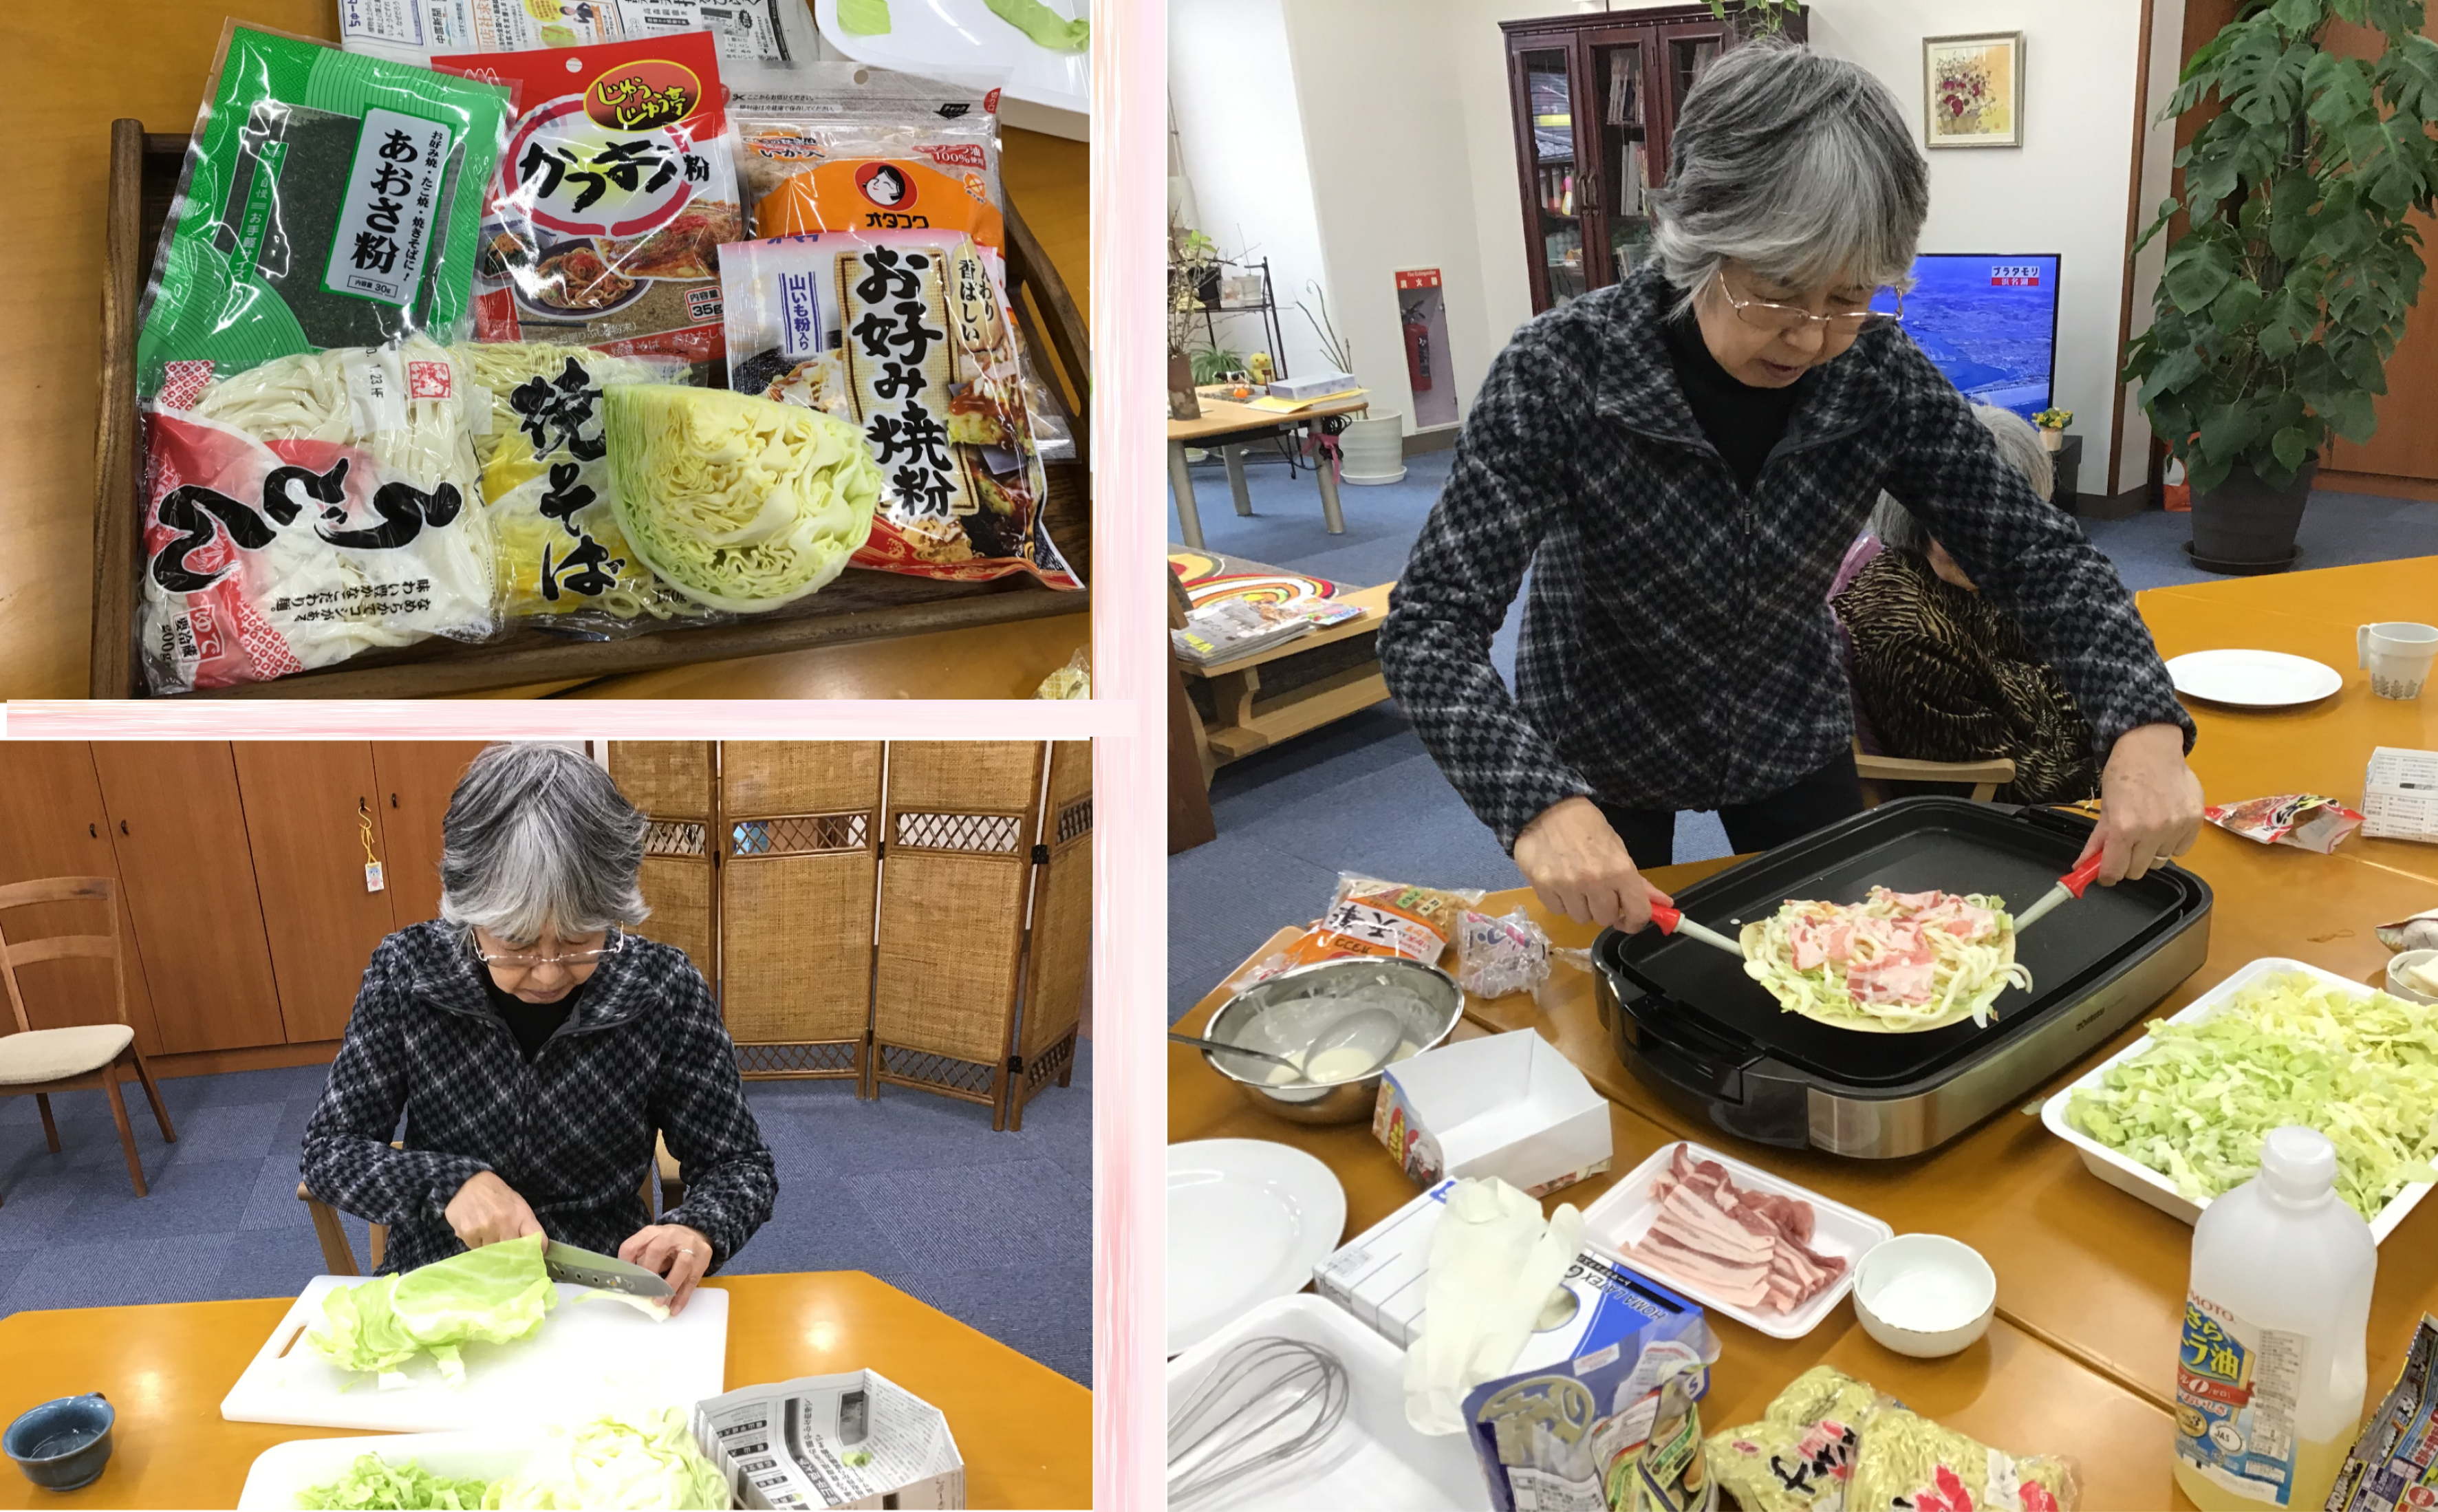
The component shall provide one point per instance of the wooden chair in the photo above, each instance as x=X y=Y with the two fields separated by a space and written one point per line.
x=1880 y=773
x=43 y=1062
x=340 y=1256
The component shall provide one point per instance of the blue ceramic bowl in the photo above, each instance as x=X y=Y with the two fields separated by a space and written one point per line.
x=62 y=1444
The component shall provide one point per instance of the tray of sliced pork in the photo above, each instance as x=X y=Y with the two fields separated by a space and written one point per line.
x=1692 y=1024
x=1768 y=1254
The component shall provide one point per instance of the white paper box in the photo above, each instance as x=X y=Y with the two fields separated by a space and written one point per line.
x=1505 y=1105
x=2400 y=795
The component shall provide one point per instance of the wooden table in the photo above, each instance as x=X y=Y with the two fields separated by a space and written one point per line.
x=1314 y=679
x=2091 y=1282
x=77 y=79
x=1223 y=420
x=1025 y=1431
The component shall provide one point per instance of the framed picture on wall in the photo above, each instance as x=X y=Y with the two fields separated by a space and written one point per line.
x=1973 y=90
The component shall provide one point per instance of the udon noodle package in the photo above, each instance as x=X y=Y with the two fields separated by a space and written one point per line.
x=603 y=224
x=307 y=509
x=878 y=293
x=552 y=502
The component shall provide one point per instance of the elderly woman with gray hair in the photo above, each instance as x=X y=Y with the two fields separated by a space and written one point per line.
x=1940 y=673
x=1682 y=460
x=532 y=1048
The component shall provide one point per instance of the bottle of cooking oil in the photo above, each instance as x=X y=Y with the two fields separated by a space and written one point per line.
x=2269 y=1376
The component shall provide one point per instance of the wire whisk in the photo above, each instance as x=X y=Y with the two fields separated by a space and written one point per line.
x=1265 y=1404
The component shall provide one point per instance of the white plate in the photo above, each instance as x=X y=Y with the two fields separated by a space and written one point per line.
x=283 y=1470
x=1626 y=1211
x=1247 y=1222
x=2149 y=1185
x=2253 y=680
x=1375 y=1461
x=963 y=36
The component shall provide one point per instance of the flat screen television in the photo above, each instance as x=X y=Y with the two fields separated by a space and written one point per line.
x=1989 y=322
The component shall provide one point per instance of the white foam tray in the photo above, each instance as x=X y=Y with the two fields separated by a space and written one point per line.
x=1626 y=1211
x=962 y=38
x=1375 y=1461
x=2130 y=1175
x=284 y=1470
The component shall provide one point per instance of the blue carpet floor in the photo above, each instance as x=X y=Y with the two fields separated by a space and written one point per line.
x=1363 y=793
x=994 y=1229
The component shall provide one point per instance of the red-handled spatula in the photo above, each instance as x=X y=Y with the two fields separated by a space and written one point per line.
x=1672 y=921
x=2069 y=886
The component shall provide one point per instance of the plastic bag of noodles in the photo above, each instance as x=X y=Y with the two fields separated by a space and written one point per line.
x=878 y=293
x=307 y=509
x=564 y=563
x=740 y=504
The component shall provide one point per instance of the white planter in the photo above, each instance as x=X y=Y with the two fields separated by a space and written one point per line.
x=1373 y=449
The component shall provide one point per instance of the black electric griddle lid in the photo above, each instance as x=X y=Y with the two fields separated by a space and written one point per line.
x=1698 y=1000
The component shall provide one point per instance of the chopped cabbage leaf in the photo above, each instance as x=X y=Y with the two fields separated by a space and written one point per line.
x=2196 y=1103
x=371 y=1486
x=639 y=1460
x=493 y=1295
x=1896 y=963
x=741 y=504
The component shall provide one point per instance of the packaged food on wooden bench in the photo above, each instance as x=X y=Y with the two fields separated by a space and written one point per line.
x=877 y=292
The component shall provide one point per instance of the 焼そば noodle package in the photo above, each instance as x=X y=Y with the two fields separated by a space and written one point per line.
x=548 y=491
x=309 y=508
x=327 y=200
x=878 y=292
x=602 y=226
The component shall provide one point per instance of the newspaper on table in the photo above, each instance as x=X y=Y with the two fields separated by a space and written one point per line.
x=2390 y=1465
x=852 y=1440
x=752 y=34
x=2400 y=795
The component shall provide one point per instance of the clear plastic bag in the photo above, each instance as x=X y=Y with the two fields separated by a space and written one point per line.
x=1073 y=680
x=878 y=292
x=1498 y=954
x=563 y=562
x=1799 y=1456
x=1907 y=1463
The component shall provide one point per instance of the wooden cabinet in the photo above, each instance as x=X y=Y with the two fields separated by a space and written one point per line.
x=1595 y=96
x=53 y=824
x=307 y=815
x=189 y=883
x=414 y=780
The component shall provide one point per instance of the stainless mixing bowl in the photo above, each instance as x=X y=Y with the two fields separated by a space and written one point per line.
x=1263 y=1017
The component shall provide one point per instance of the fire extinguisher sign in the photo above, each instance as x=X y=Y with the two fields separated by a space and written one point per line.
x=1418 y=278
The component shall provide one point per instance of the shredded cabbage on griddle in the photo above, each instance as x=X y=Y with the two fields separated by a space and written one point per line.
x=2196 y=1103
x=1895 y=962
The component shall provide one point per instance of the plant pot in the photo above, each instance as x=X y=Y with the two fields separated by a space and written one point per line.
x=1374 y=450
x=2052 y=440
x=2245 y=526
x=1182 y=404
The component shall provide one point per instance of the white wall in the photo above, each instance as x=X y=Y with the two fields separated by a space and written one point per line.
x=2158 y=170
x=1241 y=135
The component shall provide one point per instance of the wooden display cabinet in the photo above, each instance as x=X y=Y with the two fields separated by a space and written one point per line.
x=1595 y=98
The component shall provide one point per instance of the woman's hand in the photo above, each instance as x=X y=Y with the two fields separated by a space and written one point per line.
x=486 y=1210
x=2150 y=804
x=675 y=1253
x=1579 y=868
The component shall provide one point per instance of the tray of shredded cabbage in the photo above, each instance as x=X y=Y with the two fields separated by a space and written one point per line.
x=1894 y=963
x=2176 y=1118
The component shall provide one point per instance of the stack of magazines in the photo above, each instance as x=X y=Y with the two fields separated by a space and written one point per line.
x=1233 y=630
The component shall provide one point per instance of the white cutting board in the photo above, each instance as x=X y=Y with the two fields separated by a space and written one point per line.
x=586 y=1356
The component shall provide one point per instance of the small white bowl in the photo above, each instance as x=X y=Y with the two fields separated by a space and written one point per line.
x=2397 y=967
x=1941 y=1289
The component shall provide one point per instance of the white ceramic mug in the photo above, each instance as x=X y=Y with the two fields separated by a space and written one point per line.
x=2397 y=653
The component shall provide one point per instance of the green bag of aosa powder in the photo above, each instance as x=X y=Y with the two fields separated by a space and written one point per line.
x=329 y=199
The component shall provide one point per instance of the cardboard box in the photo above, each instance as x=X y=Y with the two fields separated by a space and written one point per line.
x=1504 y=1105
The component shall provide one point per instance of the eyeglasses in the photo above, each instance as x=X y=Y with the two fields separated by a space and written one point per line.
x=525 y=960
x=1780 y=319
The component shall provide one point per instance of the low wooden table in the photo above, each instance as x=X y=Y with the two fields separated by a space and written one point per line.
x=1314 y=679
x=1223 y=427
x=1025 y=1431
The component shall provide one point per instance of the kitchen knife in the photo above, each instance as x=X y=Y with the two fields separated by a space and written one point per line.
x=2069 y=886
x=565 y=1262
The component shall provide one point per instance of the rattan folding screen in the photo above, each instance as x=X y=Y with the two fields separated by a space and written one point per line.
x=917 y=913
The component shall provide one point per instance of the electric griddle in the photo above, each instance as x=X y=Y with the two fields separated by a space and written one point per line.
x=1691 y=1026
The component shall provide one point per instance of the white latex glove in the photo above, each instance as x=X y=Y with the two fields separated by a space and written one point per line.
x=1495 y=1260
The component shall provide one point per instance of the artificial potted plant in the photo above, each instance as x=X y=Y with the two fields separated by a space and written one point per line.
x=2288 y=289
x=1192 y=262
x=1371 y=445
x=2052 y=423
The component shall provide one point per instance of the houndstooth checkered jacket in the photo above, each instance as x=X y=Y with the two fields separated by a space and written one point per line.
x=1677 y=646
x=572 y=1132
